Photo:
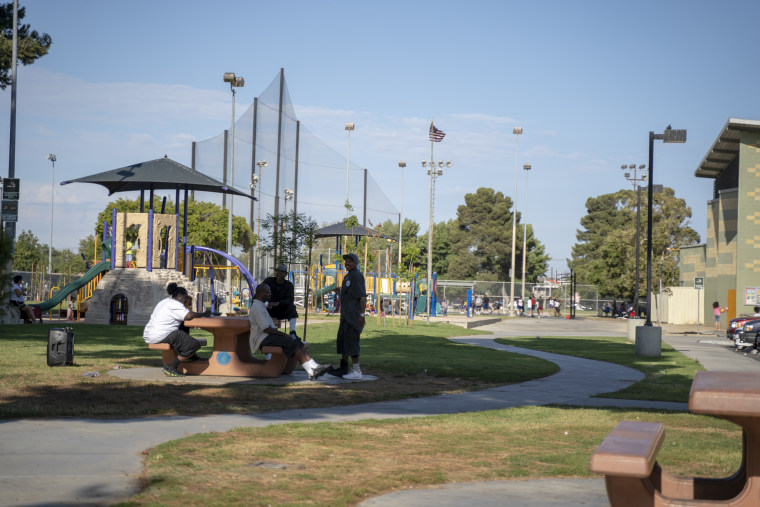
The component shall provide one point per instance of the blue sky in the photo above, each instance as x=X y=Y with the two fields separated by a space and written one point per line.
x=131 y=81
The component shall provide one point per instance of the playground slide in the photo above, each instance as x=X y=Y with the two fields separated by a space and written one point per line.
x=77 y=284
x=318 y=293
x=243 y=271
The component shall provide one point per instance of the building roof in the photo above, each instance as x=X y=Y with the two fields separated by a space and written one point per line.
x=159 y=174
x=725 y=148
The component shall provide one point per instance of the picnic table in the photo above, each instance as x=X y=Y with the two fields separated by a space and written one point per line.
x=232 y=353
x=627 y=456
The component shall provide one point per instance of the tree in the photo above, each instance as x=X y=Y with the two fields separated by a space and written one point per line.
x=481 y=240
x=442 y=251
x=292 y=242
x=605 y=254
x=29 y=253
x=31 y=44
x=411 y=255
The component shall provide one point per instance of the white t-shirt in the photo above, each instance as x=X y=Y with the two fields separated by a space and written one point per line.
x=260 y=320
x=16 y=287
x=166 y=317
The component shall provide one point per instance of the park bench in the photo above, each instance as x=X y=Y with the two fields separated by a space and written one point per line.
x=627 y=457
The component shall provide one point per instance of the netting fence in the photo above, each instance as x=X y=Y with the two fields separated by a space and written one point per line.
x=269 y=131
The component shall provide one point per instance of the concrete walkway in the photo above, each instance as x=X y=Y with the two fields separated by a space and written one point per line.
x=98 y=461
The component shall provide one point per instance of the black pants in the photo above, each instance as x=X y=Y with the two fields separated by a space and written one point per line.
x=182 y=343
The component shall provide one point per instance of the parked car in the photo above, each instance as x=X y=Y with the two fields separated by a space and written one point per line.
x=736 y=324
x=746 y=336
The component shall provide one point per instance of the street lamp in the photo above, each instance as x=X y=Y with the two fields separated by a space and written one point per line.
x=648 y=337
x=256 y=181
x=52 y=159
x=527 y=168
x=516 y=131
x=434 y=171
x=401 y=164
x=349 y=128
x=635 y=180
x=235 y=82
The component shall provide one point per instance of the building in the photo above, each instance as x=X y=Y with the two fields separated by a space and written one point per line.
x=729 y=261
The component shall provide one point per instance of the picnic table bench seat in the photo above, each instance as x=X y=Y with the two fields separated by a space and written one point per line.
x=627 y=457
x=628 y=460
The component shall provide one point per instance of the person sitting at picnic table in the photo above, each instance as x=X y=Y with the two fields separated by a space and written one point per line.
x=164 y=325
x=18 y=297
x=282 y=305
x=264 y=333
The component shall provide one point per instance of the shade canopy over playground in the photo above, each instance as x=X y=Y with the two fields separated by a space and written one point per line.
x=340 y=229
x=159 y=174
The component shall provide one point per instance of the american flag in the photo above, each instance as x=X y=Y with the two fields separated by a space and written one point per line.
x=436 y=135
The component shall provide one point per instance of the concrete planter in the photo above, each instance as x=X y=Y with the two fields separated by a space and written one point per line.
x=632 y=325
x=648 y=341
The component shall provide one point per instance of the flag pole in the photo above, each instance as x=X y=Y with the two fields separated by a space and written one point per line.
x=429 y=298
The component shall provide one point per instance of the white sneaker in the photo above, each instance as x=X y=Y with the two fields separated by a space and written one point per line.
x=353 y=375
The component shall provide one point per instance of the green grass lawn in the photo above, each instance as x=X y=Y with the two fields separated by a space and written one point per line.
x=668 y=377
x=343 y=463
x=409 y=361
x=338 y=464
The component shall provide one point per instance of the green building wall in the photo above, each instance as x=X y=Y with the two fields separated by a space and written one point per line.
x=747 y=220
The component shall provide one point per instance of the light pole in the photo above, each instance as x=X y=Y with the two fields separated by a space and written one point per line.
x=516 y=131
x=261 y=164
x=527 y=168
x=235 y=82
x=401 y=164
x=288 y=196
x=434 y=171
x=52 y=159
x=648 y=337
x=635 y=180
x=349 y=128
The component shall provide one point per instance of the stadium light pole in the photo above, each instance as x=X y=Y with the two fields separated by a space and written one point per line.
x=349 y=128
x=516 y=131
x=526 y=168
x=288 y=196
x=434 y=171
x=261 y=164
x=401 y=164
x=637 y=188
x=52 y=159
x=235 y=82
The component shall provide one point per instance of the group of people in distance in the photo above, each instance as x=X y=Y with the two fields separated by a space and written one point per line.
x=274 y=298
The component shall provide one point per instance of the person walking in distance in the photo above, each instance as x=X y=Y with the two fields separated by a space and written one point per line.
x=353 y=301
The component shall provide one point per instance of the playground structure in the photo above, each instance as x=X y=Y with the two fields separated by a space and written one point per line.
x=386 y=294
x=112 y=293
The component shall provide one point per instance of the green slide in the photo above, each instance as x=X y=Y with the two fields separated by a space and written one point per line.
x=94 y=271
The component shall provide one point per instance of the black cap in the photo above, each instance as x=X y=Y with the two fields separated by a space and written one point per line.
x=353 y=257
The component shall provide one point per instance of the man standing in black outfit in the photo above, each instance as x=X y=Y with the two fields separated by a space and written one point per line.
x=281 y=304
x=353 y=301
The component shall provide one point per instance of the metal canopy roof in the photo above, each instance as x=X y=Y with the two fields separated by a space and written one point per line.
x=725 y=148
x=340 y=229
x=159 y=174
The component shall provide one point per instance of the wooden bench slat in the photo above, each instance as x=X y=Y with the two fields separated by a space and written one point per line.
x=630 y=450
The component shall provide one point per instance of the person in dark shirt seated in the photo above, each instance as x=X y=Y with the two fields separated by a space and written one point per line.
x=281 y=305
